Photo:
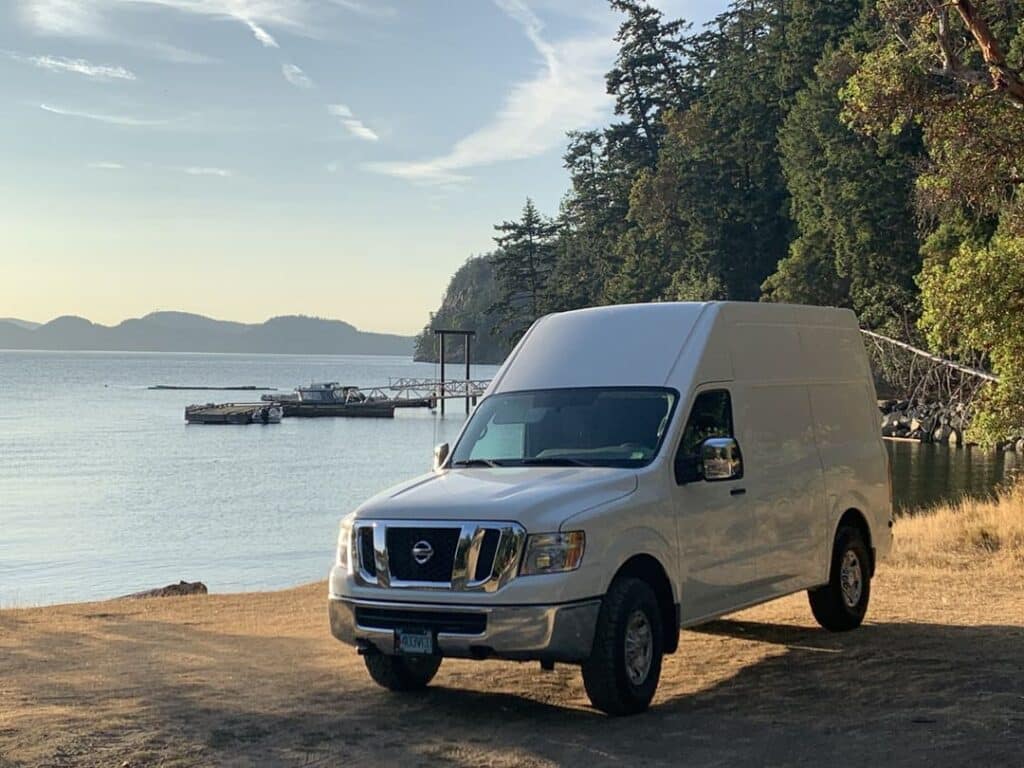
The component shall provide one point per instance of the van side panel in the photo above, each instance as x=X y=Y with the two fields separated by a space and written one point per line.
x=784 y=479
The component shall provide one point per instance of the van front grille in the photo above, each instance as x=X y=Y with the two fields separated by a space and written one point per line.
x=366 y=551
x=460 y=557
x=439 y=542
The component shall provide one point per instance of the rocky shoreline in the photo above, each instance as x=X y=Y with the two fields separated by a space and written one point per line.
x=933 y=423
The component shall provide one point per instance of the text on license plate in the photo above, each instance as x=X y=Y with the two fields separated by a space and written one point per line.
x=414 y=641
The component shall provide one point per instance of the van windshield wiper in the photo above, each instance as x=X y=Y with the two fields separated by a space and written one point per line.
x=476 y=463
x=553 y=461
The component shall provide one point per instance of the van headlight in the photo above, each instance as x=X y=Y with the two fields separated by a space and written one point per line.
x=344 y=556
x=552 y=553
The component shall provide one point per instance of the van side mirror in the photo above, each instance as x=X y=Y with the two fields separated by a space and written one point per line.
x=718 y=458
x=440 y=455
x=721 y=459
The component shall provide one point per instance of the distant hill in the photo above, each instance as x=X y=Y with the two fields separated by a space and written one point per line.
x=185 y=332
x=20 y=323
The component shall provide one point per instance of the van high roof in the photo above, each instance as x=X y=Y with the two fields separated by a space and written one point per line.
x=675 y=344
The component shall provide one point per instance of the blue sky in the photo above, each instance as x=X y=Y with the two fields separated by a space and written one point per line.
x=247 y=158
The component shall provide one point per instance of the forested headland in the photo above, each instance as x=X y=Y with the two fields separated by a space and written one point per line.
x=856 y=153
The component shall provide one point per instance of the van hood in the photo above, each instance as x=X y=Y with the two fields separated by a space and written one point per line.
x=539 y=498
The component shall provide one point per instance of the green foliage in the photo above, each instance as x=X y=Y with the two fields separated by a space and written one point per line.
x=851 y=202
x=467 y=304
x=930 y=71
x=975 y=302
x=522 y=265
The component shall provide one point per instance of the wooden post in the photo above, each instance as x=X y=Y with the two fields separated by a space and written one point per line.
x=442 y=374
x=469 y=340
x=466 y=335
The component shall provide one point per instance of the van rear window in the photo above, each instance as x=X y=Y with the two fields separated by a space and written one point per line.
x=592 y=426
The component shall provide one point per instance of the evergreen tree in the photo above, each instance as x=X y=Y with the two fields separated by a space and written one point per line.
x=851 y=199
x=650 y=73
x=522 y=266
x=716 y=205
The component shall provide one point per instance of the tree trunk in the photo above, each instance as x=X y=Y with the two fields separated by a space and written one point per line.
x=1004 y=79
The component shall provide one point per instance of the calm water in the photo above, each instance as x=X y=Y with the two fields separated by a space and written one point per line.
x=925 y=475
x=104 y=490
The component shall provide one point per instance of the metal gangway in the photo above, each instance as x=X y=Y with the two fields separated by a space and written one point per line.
x=412 y=392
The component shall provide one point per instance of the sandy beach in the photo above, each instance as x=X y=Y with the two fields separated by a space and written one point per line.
x=933 y=678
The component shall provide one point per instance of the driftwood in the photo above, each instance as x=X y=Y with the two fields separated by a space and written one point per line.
x=171 y=590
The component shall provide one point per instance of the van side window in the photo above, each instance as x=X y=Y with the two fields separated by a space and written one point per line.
x=711 y=416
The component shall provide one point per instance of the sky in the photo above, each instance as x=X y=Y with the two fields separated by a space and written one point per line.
x=250 y=158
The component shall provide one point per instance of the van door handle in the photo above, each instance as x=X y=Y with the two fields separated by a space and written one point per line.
x=737 y=491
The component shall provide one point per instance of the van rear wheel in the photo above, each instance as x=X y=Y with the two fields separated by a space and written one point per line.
x=840 y=605
x=622 y=672
x=402 y=673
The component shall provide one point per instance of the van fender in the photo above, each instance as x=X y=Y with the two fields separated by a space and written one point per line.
x=639 y=540
x=850 y=500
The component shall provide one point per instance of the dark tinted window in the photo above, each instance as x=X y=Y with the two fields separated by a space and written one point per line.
x=711 y=416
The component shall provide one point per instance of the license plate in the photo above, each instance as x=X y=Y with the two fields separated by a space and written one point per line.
x=418 y=642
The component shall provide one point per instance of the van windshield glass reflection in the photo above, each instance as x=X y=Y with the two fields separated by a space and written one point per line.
x=608 y=427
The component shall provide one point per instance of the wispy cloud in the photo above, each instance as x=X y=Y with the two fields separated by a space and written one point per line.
x=76 y=66
x=199 y=170
x=351 y=123
x=127 y=120
x=92 y=18
x=373 y=8
x=261 y=34
x=567 y=93
x=106 y=166
x=294 y=75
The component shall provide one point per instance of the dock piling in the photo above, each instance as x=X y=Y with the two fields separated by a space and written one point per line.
x=467 y=336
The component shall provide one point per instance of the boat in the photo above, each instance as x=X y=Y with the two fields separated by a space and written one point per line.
x=330 y=392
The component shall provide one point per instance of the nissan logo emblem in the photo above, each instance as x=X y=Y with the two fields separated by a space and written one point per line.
x=422 y=552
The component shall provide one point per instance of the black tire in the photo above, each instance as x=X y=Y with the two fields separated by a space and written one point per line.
x=605 y=675
x=835 y=609
x=402 y=673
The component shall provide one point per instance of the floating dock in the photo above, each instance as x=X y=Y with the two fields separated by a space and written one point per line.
x=371 y=409
x=234 y=413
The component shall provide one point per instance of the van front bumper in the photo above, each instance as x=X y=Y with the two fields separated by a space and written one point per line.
x=562 y=633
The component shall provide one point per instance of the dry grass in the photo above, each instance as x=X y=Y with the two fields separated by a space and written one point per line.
x=971 y=533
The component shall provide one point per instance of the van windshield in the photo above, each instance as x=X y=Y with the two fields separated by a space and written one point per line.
x=606 y=427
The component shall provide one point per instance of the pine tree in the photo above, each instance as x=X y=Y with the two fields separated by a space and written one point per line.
x=852 y=205
x=523 y=264
x=650 y=73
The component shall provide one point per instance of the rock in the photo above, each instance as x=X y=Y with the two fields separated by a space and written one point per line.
x=1020 y=445
x=1008 y=447
x=956 y=437
x=941 y=433
x=171 y=590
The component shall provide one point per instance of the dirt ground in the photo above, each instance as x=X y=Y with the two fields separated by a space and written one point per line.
x=935 y=677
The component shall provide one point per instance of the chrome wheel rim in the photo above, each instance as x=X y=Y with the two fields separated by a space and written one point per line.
x=639 y=647
x=851 y=579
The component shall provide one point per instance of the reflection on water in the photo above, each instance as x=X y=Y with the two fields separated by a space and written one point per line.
x=927 y=474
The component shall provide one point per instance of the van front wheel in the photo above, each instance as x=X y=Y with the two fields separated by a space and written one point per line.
x=622 y=672
x=402 y=673
x=841 y=604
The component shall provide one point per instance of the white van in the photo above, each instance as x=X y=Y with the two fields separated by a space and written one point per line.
x=631 y=470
